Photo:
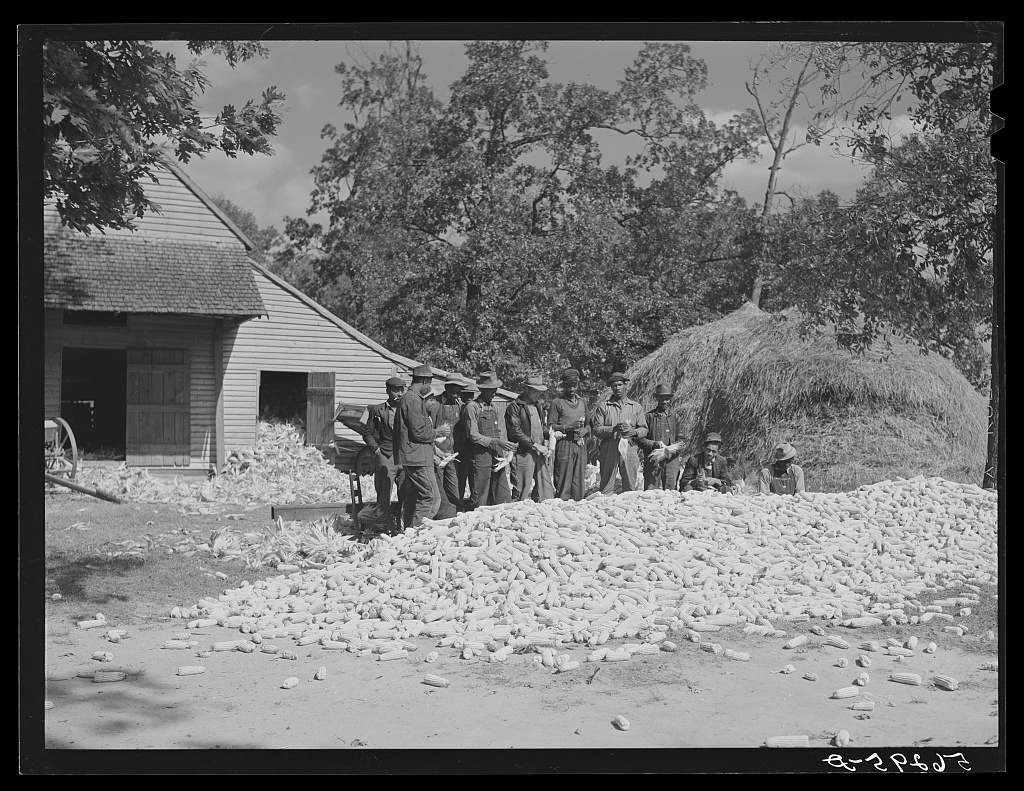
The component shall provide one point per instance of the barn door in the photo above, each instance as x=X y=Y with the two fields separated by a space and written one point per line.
x=320 y=408
x=159 y=430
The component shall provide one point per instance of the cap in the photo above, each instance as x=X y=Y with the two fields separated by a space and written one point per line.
x=713 y=437
x=570 y=375
x=616 y=377
x=395 y=381
x=535 y=383
x=663 y=390
x=784 y=451
x=423 y=370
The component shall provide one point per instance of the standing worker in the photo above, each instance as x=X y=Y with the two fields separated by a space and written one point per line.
x=446 y=413
x=618 y=423
x=784 y=476
x=378 y=436
x=414 y=436
x=463 y=446
x=661 y=468
x=706 y=470
x=567 y=418
x=485 y=428
x=525 y=427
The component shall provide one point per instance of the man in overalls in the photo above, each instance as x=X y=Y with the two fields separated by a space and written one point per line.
x=618 y=422
x=784 y=476
x=663 y=432
x=445 y=413
x=485 y=428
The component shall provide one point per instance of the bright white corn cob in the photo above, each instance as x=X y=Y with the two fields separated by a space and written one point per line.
x=308 y=639
x=845 y=692
x=945 y=682
x=864 y=660
x=290 y=682
x=711 y=648
x=841 y=739
x=246 y=647
x=810 y=676
x=47 y=704
x=431 y=657
x=788 y=669
x=321 y=673
x=91 y=624
x=787 y=741
x=815 y=629
x=179 y=645
x=620 y=723
x=892 y=642
x=565 y=667
x=617 y=656
x=269 y=648
x=906 y=678
x=287 y=653
x=911 y=642
x=863 y=705
x=227 y=645
x=502 y=654
x=870 y=645
x=436 y=681
x=862 y=622
x=668 y=645
x=957 y=630
x=102 y=676
x=836 y=642
x=843 y=662
x=862 y=680
x=191 y=670
x=891 y=651
x=401 y=653
x=201 y=623
x=796 y=642
x=103 y=656
x=647 y=648
x=930 y=648
x=738 y=656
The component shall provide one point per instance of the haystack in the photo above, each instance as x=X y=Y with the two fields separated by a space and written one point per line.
x=854 y=419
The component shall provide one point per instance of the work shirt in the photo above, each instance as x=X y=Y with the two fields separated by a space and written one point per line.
x=609 y=414
x=769 y=481
x=447 y=411
x=661 y=427
x=413 y=432
x=563 y=414
x=485 y=423
x=380 y=424
x=523 y=425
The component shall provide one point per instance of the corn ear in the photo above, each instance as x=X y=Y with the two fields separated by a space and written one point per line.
x=102 y=676
x=620 y=723
x=862 y=680
x=990 y=666
x=945 y=682
x=436 y=681
x=796 y=642
x=843 y=662
x=841 y=739
x=906 y=678
x=864 y=660
x=788 y=669
x=891 y=651
x=321 y=673
x=401 y=653
x=191 y=670
x=810 y=676
x=290 y=682
x=787 y=741
x=870 y=645
x=845 y=692
x=737 y=656
x=836 y=642
x=47 y=705
x=930 y=648
x=863 y=705
x=103 y=656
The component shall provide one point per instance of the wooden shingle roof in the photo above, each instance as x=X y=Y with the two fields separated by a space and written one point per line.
x=147 y=275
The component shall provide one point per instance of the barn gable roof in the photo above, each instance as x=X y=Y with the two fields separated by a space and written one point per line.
x=147 y=275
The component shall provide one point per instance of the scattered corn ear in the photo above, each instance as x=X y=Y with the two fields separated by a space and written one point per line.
x=836 y=642
x=620 y=723
x=906 y=678
x=290 y=682
x=945 y=682
x=436 y=681
x=321 y=673
x=845 y=692
x=810 y=676
x=191 y=670
x=796 y=642
x=103 y=656
x=102 y=676
x=863 y=705
x=787 y=741
x=843 y=662
x=841 y=739
x=862 y=680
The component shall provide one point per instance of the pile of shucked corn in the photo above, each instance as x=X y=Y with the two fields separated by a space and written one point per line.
x=632 y=566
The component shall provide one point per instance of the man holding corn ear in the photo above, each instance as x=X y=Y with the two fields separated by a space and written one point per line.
x=485 y=427
x=446 y=411
x=525 y=426
x=567 y=418
x=662 y=446
x=706 y=470
x=414 y=436
x=618 y=423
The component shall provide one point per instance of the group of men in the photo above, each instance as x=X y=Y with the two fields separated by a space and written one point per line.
x=434 y=447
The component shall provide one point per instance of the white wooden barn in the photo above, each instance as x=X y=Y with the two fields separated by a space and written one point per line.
x=163 y=343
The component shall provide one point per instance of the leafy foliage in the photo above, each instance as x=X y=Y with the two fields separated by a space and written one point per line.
x=486 y=232
x=112 y=109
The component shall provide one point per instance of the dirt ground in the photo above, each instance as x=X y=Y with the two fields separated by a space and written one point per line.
x=688 y=710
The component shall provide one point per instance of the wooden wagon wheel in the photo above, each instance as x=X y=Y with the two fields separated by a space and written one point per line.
x=366 y=462
x=62 y=451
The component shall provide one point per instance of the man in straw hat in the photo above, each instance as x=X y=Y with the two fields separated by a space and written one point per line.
x=485 y=427
x=663 y=445
x=618 y=423
x=567 y=419
x=414 y=436
x=706 y=470
x=524 y=426
x=445 y=413
x=783 y=476
x=379 y=437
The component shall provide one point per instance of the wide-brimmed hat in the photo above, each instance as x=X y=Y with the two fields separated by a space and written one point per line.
x=395 y=381
x=470 y=388
x=663 y=390
x=783 y=452
x=423 y=370
x=535 y=383
x=488 y=381
x=455 y=379
x=616 y=377
x=570 y=375
x=713 y=437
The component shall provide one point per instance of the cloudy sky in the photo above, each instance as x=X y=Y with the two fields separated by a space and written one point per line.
x=273 y=187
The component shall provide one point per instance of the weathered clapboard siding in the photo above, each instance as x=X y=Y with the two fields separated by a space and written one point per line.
x=183 y=214
x=191 y=333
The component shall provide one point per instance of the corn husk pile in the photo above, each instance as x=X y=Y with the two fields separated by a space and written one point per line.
x=633 y=566
x=278 y=469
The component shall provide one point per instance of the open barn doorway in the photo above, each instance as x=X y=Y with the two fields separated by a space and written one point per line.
x=283 y=397
x=93 y=400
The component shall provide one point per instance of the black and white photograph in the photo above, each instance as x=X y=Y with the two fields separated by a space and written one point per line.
x=519 y=398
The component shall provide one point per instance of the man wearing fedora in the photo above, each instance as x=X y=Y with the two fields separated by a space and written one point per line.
x=618 y=423
x=706 y=470
x=485 y=428
x=463 y=446
x=784 y=476
x=446 y=412
x=414 y=436
x=567 y=418
x=524 y=426
x=661 y=468
x=379 y=437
